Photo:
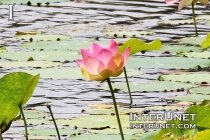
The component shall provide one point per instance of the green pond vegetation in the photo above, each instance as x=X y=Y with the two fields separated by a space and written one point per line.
x=43 y=56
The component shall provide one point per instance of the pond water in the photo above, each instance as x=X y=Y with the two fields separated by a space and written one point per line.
x=88 y=20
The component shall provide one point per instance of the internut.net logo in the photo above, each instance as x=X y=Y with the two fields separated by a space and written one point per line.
x=157 y=120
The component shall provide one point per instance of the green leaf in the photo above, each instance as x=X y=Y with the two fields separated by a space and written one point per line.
x=192 y=77
x=16 y=89
x=193 y=40
x=203 y=135
x=18 y=64
x=42 y=37
x=137 y=45
x=152 y=86
x=202 y=119
x=128 y=33
x=166 y=62
x=206 y=43
x=65 y=45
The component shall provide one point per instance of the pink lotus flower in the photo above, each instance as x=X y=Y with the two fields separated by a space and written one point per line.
x=186 y=2
x=101 y=62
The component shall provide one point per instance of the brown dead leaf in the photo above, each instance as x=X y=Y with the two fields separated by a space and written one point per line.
x=25 y=33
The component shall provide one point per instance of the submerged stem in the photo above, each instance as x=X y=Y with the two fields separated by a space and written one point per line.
x=49 y=107
x=195 y=24
x=25 y=124
x=129 y=91
x=115 y=107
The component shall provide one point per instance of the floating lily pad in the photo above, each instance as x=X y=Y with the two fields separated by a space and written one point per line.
x=110 y=111
x=35 y=121
x=100 y=121
x=42 y=56
x=35 y=114
x=42 y=37
x=193 y=77
x=41 y=137
x=180 y=48
x=204 y=17
x=73 y=73
x=52 y=132
x=149 y=86
x=205 y=54
x=148 y=135
x=42 y=64
x=191 y=98
x=177 y=22
x=103 y=137
x=73 y=44
x=102 y=106
x=193 y=40
x=166 y=62
x=200 y=90
x=166 y=108
x=117 y=131
x=128 y=33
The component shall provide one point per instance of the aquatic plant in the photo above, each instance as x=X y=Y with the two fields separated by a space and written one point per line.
x=16 y=90
x=100 y=63
x=186 y=3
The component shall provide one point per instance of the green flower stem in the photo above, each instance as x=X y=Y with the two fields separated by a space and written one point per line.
x=193 y=10
x=115 y=107
x=24 y=119
x=49 y=107
x=129 y=91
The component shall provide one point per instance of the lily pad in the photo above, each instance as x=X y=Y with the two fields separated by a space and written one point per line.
x=200 y=90
x=117 y=131
x=180 y=48
x=41 y=137
x=128 y=33
x=52 y=131
x=103 y=137
x=32 y=114
x=96 y=121
x=193 y=77
x=73 y=73
x=111 y=111
x=35 y=121
x=72 y=44
x=42 y=64
x=191 y=98
x=178 y=22
x=166 y=62
x=42 y=56
x=167 y=108
x=205 y=54
x=149 y=86
x=42 y=37
x=193 y=40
